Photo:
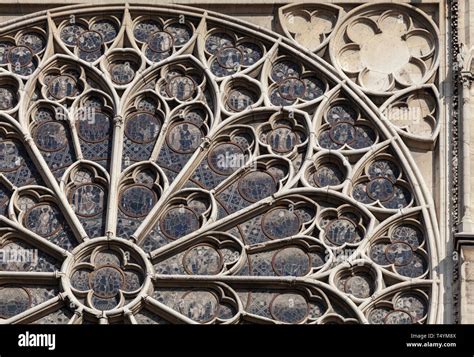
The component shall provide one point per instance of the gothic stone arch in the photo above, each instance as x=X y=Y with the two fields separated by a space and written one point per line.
x=174 y=165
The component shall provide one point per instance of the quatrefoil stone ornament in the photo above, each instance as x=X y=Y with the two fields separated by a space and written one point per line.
x=105 y=274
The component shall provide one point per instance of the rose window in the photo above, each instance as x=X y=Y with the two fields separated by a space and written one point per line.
x=162 y=170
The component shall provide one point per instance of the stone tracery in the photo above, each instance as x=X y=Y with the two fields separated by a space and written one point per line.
x=195 y=171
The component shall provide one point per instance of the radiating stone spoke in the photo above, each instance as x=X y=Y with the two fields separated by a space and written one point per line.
x=189 y=169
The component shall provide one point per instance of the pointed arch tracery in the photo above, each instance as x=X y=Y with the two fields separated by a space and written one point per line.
x=216 y=173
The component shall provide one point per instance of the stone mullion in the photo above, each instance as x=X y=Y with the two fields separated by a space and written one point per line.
x=166 y=311
x=38 y=311
x=51 y=182
x=29 y=277
x=46 y=245
x=75 y=139
x=174 y=187
x=408 y=161
x=200 y=153
x=231 y=218
x=115 y=173
x=35 y=154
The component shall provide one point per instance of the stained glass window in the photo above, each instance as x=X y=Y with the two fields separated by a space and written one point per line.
x=157 y=153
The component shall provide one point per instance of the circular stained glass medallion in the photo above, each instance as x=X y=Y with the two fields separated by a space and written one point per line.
x=289 y=308
x=50 y=136
x=10 y=158
x=280 y=223
x=202 y=260
x=291 y=88
x=380 y=189
x=95 y=127
x=257 y=185
x=178 y=222
x=20 y=56
x=343 y=133
x=90 y=41
x=161 y=41
x=122 y=73
x=291 y=261
x=142 y=127
x=13 y=301
x=107 y=281
x=88 y=200
x=43 y=219
x=399 y=253
x=341 y=231
x=358 y=286
x=184 y=137
x=200 y=306
x=229 y=57
x=181 y=87
x=7 y=99
x=226 y=158
x=282 y=139
x=63 y=86
x=137 y=201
